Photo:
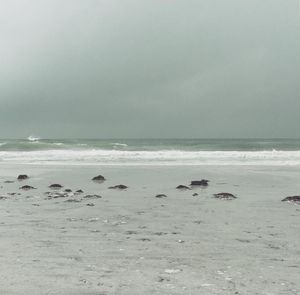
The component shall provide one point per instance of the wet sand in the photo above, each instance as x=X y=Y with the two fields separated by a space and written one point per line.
x=130 y=242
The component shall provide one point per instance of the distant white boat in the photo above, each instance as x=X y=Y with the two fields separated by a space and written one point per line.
x=33 y=138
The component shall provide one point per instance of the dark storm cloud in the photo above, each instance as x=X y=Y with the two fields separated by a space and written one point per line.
x=155 y=68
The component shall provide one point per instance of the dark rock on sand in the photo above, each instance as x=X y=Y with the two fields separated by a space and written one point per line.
x=202 y=182
x=161 y=196
x=98 y=178
x=27 y=187
x=67 y=190
x=80 y=191
x=22 y=177
x=195 y=194
x=183 y=187
x=225 y=196
x=90 y=204
x=55 y=186
x=294 y=199
x=119 y=186
x=92 y=197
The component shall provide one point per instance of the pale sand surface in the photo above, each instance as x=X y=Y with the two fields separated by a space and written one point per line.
x=133 y=243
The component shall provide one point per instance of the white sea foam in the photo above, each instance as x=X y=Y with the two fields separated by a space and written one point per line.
x=116 y=145
x=33 y=138
x=163 y=157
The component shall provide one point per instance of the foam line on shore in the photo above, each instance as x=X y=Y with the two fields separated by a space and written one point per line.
x=163 y=157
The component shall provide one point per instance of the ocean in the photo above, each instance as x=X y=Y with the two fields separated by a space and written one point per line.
x=34 y=150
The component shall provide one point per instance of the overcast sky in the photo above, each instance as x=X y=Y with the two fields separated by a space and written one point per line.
x=149 y=68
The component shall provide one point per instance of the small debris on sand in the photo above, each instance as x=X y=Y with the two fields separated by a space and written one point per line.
x=172 y=271
x=144 y=240
x=92 y=197
x=22 y=177
x=27 y=187
x=55 y=186
x=131 y=232
x=73 y=201
x=161 y=196
x=225 y=196
x=202 y=182
x=99 y=178
x=57 y=195
x=119 y=186
x=159 y=233
x=292 y=199
x=183 y=187
x=243 y=240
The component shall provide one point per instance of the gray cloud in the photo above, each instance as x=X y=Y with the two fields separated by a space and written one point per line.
x=141 y=68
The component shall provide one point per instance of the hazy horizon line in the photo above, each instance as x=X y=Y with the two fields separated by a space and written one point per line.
x=155 y=138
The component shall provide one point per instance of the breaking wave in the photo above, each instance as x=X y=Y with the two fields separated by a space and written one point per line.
x=151 y=151
x=163 y=157
x=33 y=138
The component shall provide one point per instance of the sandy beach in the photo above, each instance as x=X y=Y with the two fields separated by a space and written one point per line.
x=130 y=242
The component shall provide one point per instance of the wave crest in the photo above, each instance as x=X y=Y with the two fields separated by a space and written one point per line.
x=33 y=138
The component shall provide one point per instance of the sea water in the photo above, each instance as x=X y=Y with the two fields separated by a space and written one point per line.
x=151 y=151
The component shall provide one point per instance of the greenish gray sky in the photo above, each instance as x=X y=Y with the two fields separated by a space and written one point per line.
x=149 y=68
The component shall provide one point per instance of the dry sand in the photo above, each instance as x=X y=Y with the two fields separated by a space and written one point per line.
x=130 y=242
